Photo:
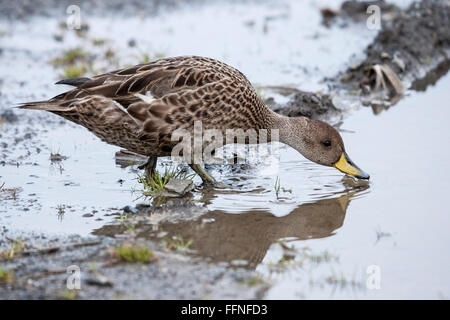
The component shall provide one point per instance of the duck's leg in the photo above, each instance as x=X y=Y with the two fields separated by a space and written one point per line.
x=206 y=177
x=149 y=166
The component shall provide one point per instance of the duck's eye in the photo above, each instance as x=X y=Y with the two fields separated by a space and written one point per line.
x=326 y=143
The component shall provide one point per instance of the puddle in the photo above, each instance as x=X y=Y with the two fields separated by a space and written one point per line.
x=89 y=172
x=400 y=224
x=320 y=244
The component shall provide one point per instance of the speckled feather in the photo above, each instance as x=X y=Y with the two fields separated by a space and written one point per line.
x=138 y=108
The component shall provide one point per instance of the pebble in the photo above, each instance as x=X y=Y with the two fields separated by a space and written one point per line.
x=99 y=280
x=130 y=209
x=179 y=187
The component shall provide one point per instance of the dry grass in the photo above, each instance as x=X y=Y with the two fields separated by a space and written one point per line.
x=177 y=243
x=14 y=251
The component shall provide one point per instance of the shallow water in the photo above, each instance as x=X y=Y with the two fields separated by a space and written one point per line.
x=399 y=222
x=266 y=39
x=319 y=235
x=405 y=206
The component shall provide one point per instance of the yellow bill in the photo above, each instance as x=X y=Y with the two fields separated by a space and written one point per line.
x=347 y=166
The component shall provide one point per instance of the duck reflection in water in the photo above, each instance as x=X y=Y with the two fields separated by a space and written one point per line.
x=249 y=235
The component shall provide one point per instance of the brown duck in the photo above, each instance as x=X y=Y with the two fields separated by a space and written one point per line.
x=138 y=108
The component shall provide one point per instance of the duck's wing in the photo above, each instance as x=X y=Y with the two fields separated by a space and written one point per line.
x=154 y=79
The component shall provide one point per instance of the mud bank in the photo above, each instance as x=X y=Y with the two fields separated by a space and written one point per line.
x=23 y=9
x=316 y=106
x=39 y=270
x=413 y=43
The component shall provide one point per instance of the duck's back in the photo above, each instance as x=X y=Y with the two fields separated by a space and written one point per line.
x=139 y=107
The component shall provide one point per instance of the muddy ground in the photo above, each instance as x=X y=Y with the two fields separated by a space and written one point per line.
x=414 y=43
x=24 y=9
x=35 y=265
x=42 y=273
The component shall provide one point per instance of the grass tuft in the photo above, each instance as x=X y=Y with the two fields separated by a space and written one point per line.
x=6 y=276
x=69 y=294
x=255 y=280
x=133 y=253
x=61 y=210
x=177 y=243
x=99 y=41
x=69 y=57
x=341 y=281
x=154 y=184
x=325 y=256
x=145 y=58
x=74 y=71
x=73 y=63
x=14 y=251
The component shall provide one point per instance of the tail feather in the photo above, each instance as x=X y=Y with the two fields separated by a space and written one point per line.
x=43 y=105
x=76 y=82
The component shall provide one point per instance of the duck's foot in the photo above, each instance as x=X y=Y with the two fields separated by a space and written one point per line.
x=207 y=179
x=149 y=166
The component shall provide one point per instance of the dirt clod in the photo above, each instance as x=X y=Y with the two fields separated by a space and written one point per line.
x=308 y=104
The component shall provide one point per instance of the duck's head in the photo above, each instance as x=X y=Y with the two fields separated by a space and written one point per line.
x=322 y=144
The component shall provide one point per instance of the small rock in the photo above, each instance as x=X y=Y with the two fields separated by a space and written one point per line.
x=208 y=220
x=131 y=43
x=130 y=209
x=58 y=37
x=99 y=280
x=239 y=263
x=161 y=234
x=385 y=55
x=87 y=215
x=178 y=187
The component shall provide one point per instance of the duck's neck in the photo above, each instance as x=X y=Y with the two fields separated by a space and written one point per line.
x=290 y=129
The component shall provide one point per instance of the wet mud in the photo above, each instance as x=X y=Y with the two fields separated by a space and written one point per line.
x=24 y=9
x=315 y=106
x=40 y=271
x=412 y=42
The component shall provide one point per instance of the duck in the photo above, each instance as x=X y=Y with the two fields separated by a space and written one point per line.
x=139 y=108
